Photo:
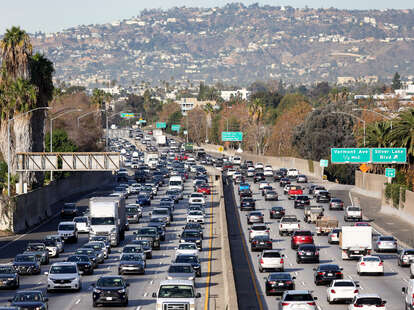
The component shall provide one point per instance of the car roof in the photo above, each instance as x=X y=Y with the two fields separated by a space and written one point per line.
x=64 y=264
x=178 y=282
x=368 y=296
x=298 y=292
x=67 y=222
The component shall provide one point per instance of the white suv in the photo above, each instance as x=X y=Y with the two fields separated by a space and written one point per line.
x=297 y=299
x=64 y=275
x=68 y=231
x=271 y=259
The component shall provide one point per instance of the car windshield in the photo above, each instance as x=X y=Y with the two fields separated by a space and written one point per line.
x=409 y=252
x=146 y=231
x=131 y=210
x=27 y=296
x=131 y=257
x=50 y=242
x=35 y=247
x=78 y=258
x=191 y=234
x=175 y=182
x=25 y=258
x=6 y=269
x=66 y=227
x=186 y=259
x=102 y=221
x=187 y=246
x=298 y=297
x=176 y=291
x=62 y=269
x=110 y=282
x=372 y=301
x=132 y=249
x=344 y=284
x=160 y=212
x=180 y=269
x=80 y=220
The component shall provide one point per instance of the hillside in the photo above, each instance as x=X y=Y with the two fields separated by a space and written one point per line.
x=235 y=44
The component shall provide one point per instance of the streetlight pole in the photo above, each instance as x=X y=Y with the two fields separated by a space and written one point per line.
x=352 y=115
x=8 y=142
x=51 y=130
x=383 y=115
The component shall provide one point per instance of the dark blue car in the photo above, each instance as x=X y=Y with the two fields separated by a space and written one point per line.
x=143 y=200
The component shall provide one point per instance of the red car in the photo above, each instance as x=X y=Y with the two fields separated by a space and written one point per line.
x=295 y=191
x=205 y=189
x=301 y=237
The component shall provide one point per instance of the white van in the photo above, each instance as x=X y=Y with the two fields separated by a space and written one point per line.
x=176 y=182
x=237 y=160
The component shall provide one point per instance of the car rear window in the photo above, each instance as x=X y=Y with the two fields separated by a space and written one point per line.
x=298 y=297
x=354 y=209
x=344 y=284
x=372 y=301
x=271 y=254
x=259 y=227
x=303 y=233
x=387 y=238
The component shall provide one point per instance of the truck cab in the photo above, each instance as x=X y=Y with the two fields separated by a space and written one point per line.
x=176 y=294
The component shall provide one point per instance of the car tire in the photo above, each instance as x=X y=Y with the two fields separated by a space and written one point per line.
x=267 y=293
x=94 y=304
x=260 y=269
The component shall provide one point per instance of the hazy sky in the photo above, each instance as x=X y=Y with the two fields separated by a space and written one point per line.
x=55 y=15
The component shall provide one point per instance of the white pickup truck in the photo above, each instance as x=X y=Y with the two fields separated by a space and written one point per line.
x=176 y=294
x=288 y=224
x=353 y=213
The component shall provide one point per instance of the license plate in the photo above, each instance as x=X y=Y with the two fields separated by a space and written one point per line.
x=330 y=274
x=280 y=284
x=108 y=298
x=308 y=254
x=261 y=242
x=356 y=252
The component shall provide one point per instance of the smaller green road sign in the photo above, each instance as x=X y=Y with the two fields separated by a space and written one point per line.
x=350 y=155
x=390 y=172
x=161 y=125
x=389 y=155
x=231 y=136
x=324 y=163
x=175 y=128
x=127 y=115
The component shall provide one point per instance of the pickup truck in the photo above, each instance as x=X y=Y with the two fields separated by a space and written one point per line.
x=288 y=224
x=353 y=213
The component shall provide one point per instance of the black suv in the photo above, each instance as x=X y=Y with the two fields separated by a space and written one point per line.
x=301 y=201
x=326 y=273
x=247 y=204
x=259 y=176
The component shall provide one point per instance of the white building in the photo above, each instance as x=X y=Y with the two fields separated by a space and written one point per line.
x=187 y=104
x=243 y=93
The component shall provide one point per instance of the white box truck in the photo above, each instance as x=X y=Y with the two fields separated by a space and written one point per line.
x=151 y=159
x=161 y=140
x=157 y=132
x=108 y=218
x=355 y=241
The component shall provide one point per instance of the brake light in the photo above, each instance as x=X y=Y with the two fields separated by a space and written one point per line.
x=357 y=306
x=333 y=292
x=379 y=242
x=288 y=282
x=285 y=304
x=317 y=253
x=311 y=303
x=320 y=273
x=261 y=261
x=272 y=282
x=362 y=264
x=380 y=264
x=269 y=242
x=282 y=261
x=356 y=292
x=339 y=273
x=380 y=306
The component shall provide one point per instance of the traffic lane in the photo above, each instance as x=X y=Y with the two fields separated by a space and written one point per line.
x=328 y=253
x=389 y=284
x=9 y=248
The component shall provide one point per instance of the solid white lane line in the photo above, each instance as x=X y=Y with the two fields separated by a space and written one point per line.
x=78 y=301
x=145 y=295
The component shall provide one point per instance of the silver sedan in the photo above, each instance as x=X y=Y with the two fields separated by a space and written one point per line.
x=386 y=244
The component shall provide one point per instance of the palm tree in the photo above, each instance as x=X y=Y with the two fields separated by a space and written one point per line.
x=402 y=134
x=378 y=134
x=16 y=51
x=256 y=109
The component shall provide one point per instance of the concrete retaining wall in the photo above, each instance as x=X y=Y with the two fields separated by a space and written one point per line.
x=371 y=184
x=38 y=205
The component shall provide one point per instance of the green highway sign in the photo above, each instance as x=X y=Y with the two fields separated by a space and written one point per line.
x=175 y=128
x=389 y=155
x=231 y=136
x=390 y=172
x=161 y=125
x=324 y=163
x=127 y=115
x=350 y=155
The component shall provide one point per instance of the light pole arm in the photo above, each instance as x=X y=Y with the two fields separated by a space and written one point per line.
x=354 y=116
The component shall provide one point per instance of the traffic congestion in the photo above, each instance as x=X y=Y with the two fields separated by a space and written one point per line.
x=311 y=250
x=140 y=243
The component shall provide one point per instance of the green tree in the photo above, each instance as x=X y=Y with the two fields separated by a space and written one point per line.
x=61 y=142
x=378 y=134
x=396 y=81
x=402 y=134
x=100 y=97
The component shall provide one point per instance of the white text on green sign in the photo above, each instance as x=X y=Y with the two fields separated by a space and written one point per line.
x=231 y=136
x=175 y=127
x=350 y=155
x=390 y=172
x=389 y=155
x=161 y=125
x=127 y=115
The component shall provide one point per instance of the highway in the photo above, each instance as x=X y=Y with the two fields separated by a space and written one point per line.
x=141 y=286
x=387 y=286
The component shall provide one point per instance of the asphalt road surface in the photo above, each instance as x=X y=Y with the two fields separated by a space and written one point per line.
x=387 y=286
x=141 y=286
